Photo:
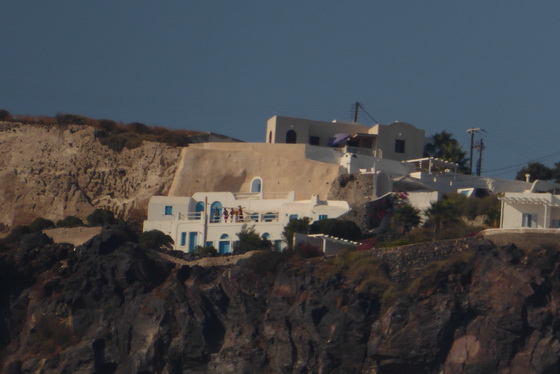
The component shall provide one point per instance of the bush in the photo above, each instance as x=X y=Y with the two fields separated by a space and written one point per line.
x=5 y=115
x=208 y=251
x=155 y=239
x=366 y=272
x=299 y=225
x=73 y=119
x=40 y=224
x=265 y=262
x=337 y=228
x=101 y=217
x=307 y=250
x=249 y=240
x=70 y=221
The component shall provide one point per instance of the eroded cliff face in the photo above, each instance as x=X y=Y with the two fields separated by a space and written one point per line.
x=112 y=307
x=56 y=171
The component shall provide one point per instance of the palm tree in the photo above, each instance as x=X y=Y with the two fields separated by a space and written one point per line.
x=442 y=212
x=407 y=217
x=444 y=146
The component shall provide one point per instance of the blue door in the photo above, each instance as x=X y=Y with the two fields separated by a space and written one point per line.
x=193 y=239
x=223 y=244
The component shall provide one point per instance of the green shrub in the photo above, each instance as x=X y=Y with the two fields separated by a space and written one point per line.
x=299 y=225
x=101 y=217
x=366 y=272
x=249 y=240
x=208 y=251
x=155 y=239
x=265 y=262
x=40 y=224
x=70 y=221
x=73 y=119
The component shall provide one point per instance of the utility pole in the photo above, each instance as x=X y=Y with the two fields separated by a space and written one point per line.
x=472 y=131
x=480 y=147
x=356 y=108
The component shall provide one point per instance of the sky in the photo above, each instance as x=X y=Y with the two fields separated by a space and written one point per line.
x=228 y=66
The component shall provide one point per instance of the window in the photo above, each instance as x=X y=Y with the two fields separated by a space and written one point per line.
x=399 y=146
x=168 y=210
x=529 y=220
x=555 y=224
x=265 y=236
x=183 y=239
x=278 y=245
x=314 y=140
x=209 y=243
x=199 y=209
x=323 y=216
x=256 y=185
x=293 y=216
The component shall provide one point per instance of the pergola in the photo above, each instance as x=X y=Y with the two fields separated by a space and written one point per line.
x=429 y=163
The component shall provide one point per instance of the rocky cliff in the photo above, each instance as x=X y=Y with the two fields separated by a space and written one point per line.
x=112 y=307
x=53 y=171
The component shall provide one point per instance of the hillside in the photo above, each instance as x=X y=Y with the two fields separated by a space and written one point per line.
x=58 y=170
x=113 y=307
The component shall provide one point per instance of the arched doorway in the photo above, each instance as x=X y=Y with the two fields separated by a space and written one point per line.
x=199 y=208
x=216 y=212
x=291 y=137
x=256 y=185
x=223 y=244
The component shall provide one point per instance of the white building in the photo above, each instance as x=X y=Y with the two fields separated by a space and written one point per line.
x=530 y=210
x=214 y=218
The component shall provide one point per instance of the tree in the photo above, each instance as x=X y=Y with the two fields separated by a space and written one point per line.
x=536 y=170
x=101 y=217
x=440 y=213
x=338 y=228
x=299 y=225
x=444 y=146
x=249 y=240
x=40 y=224
x=208 y=251
x=155 y=239
x=69 y=221
x=407 y=217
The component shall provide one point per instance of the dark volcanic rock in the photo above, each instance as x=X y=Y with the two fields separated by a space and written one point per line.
x=112 y=307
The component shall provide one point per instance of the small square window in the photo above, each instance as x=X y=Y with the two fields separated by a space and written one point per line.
x=293 y=216
x=314 y=140
x=323 y=216
x=168 y=210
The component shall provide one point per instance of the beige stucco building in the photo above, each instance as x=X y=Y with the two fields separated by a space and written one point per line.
x=398 y=141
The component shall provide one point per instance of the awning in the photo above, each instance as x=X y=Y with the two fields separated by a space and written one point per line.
x=337 y=139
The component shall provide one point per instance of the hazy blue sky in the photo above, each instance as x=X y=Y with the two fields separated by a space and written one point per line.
x=227 y=66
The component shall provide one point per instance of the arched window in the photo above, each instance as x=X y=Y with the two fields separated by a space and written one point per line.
x=291 y=137
x=265 y=236
x=199 y=208
x=269 y=217
x=224 y=244
x=216 y=212
x=256 y=185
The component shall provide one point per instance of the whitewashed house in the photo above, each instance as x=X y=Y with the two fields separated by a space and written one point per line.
x=214 y=218
x=530 y=210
